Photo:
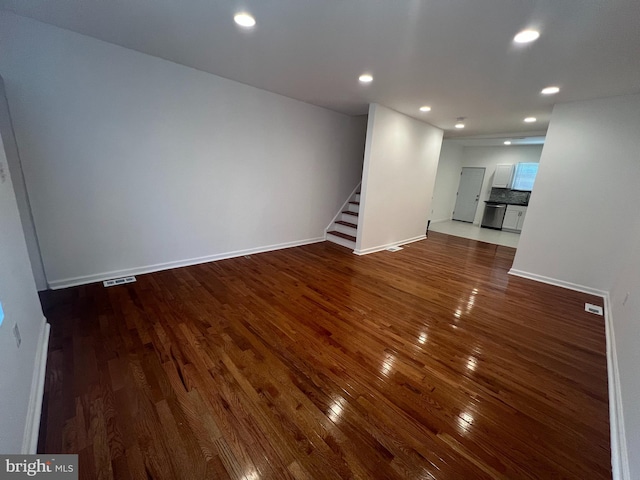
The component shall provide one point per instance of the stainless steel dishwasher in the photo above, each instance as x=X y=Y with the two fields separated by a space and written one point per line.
x=494 y=215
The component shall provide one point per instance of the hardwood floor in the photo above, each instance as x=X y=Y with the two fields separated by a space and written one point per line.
x=313 y=363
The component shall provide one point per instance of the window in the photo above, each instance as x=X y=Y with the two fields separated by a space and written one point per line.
x=525 y=176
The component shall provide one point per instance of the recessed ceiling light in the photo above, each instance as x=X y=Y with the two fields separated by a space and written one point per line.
x=365 y=78
x=459 y=125
x=530 y=119
x=526 y=36
x=244 y=20
x=459 y=122
x=507 y=142
x=550 y=90
x=425 y=108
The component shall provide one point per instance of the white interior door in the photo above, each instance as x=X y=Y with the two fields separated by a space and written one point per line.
x=468 y=194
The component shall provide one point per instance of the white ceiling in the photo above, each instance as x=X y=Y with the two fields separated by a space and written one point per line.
x=455 y=55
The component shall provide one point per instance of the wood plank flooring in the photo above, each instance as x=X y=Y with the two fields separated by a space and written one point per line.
x=314 y=363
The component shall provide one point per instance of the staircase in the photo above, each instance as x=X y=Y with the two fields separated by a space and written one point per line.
x=344 y=228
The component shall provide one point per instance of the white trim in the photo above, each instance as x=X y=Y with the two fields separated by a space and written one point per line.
x=558 y=283
x=619 y=452
x=367 y=251
x=99 y=277
x=344 y=205
x=34 y=410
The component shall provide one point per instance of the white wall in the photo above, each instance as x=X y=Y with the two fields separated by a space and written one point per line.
x=13 y=160
x=134 y=163
x=625 y=315
x=400 y=165
x=585 y=194
x=447 y=180
x=583 y=226
x=21 y=306
x=489 y=157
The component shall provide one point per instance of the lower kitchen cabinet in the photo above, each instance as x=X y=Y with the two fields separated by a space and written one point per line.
x=514 y=218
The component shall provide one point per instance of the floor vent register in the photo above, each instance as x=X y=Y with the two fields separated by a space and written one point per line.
x=591 y=308
x=118 y=281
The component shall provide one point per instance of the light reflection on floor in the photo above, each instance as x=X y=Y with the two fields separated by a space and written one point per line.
x=387 y=365
x=336 y=409
x=472 y=363
x=465 y=422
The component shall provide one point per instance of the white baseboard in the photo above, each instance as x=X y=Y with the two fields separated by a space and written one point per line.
x=619 y=452
x=99 y=277
x=558 y=283
x=367 y=251
x=34 y=410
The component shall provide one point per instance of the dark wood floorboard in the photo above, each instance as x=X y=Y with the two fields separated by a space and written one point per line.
x=314 y=363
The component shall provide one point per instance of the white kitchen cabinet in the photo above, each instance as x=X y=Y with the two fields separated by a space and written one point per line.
x=510 y=221
x=502 y=176
x=514 y=218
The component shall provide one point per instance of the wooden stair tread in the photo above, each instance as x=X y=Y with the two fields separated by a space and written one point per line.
x=347 y=224
x=342 y=235
x=350 y=213
x=354 y=203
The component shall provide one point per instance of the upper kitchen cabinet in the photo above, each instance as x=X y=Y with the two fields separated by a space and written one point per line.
x=502 y=177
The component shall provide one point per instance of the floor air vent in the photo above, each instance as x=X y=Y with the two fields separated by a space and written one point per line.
x=591 y=308
x=118 y=281
x=394 y=249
